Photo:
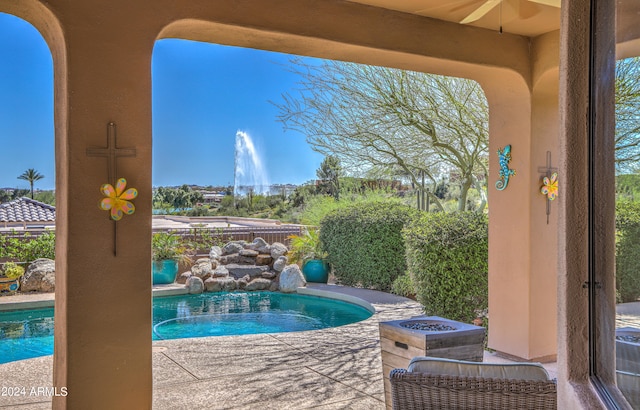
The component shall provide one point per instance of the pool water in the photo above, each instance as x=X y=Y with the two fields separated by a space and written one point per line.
x=29 y=333
x=25 y=334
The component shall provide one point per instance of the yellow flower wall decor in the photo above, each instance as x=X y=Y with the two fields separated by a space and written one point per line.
x=550 y=186
x=117 y=200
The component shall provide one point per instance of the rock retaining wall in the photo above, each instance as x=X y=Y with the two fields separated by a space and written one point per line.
x=241 y=265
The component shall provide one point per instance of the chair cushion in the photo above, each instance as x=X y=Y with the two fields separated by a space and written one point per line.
x=449 y=367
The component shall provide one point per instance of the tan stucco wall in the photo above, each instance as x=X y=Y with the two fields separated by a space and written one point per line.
x=522 y=247
x=102 y=62
x=544 y=236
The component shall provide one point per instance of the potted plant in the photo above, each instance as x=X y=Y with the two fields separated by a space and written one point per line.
x=306 y=251
x=11 y=273
x=167 y=252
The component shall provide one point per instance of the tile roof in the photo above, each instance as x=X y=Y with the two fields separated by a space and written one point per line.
x=26 y=210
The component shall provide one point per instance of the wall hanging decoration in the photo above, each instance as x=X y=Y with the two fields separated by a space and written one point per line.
x=504 y=157
x=117 y=199
x=549 y=183
x=550 y=187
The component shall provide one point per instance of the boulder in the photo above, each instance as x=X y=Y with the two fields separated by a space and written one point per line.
x=220 y=272
x=40 y=276
x=248 y=253
x=232 y=247
x=277 y=250
x=291 y=279
x=274 y=286
x=231 y=258
x=215 y=253
x=202 y=268
x=280 y=263
x=263 y=259
x=182 y=279
x=220 y=284
x=259 y=284
x=195 y=285
x=246 y=260
x=269 y=274
x=259 y=245
x=242 y=282
x=265 y=249
x=253 y=271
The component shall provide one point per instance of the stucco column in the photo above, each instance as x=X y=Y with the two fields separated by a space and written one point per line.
x=522 y=246
x=544 y=222
x=103 y=301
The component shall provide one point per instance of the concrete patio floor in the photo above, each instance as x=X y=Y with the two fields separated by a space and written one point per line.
x=336 y=368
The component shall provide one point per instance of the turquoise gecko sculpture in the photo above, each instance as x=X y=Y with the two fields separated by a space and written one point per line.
x=504 y=157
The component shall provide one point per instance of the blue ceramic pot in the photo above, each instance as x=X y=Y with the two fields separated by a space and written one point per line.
x=316 y=270
x=164 y=271
x=10 y=285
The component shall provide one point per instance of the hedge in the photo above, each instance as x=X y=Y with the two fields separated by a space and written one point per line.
x=364 y=243
x=447 y=256
x=27 y=248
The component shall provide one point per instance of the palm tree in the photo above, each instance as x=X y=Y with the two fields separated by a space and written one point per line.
x=31 y=175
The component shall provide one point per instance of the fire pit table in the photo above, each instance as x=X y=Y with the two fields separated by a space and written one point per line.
x=628 y=363
x=402 y=340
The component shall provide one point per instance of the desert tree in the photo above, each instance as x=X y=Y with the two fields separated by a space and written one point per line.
x=405 y=123
x=627 y=114
x=329 y=173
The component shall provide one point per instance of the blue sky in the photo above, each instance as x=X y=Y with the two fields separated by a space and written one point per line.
x=202 y=95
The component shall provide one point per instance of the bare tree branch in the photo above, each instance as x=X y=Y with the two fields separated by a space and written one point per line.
x=376 y=118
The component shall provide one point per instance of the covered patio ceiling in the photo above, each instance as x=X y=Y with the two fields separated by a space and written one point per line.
x=529 y=18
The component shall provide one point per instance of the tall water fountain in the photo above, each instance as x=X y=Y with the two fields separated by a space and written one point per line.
x=249 y=175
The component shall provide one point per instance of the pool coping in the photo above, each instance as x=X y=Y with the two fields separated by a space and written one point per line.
x=328 y=294
x=47 y=300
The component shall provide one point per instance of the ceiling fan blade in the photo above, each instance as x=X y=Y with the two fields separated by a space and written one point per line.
x=480 y=11
x=552 y=3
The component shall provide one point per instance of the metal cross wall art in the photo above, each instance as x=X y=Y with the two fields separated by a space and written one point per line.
x=112 y=153
x=504 y=157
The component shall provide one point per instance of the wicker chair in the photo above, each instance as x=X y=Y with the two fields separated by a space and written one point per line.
x=420 y=388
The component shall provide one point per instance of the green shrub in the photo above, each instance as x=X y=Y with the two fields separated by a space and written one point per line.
x=447 y=257
x=628 y=251
x=168 y=245
x=305 y=247
x=28 y=249
x=364 y=243
x=13 y=271
x=318 y=206
x=403 y=286
x=202 y=238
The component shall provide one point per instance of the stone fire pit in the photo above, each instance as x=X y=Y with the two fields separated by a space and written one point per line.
x=402 y=340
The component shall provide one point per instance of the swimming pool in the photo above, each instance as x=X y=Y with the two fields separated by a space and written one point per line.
x=29 y=333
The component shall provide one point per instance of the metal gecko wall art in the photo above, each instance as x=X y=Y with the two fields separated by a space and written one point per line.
x=504 y=157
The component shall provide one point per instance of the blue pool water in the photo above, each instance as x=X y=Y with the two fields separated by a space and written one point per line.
x=29 y=333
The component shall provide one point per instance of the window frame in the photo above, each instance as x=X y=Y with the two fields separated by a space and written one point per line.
x=600 y=281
